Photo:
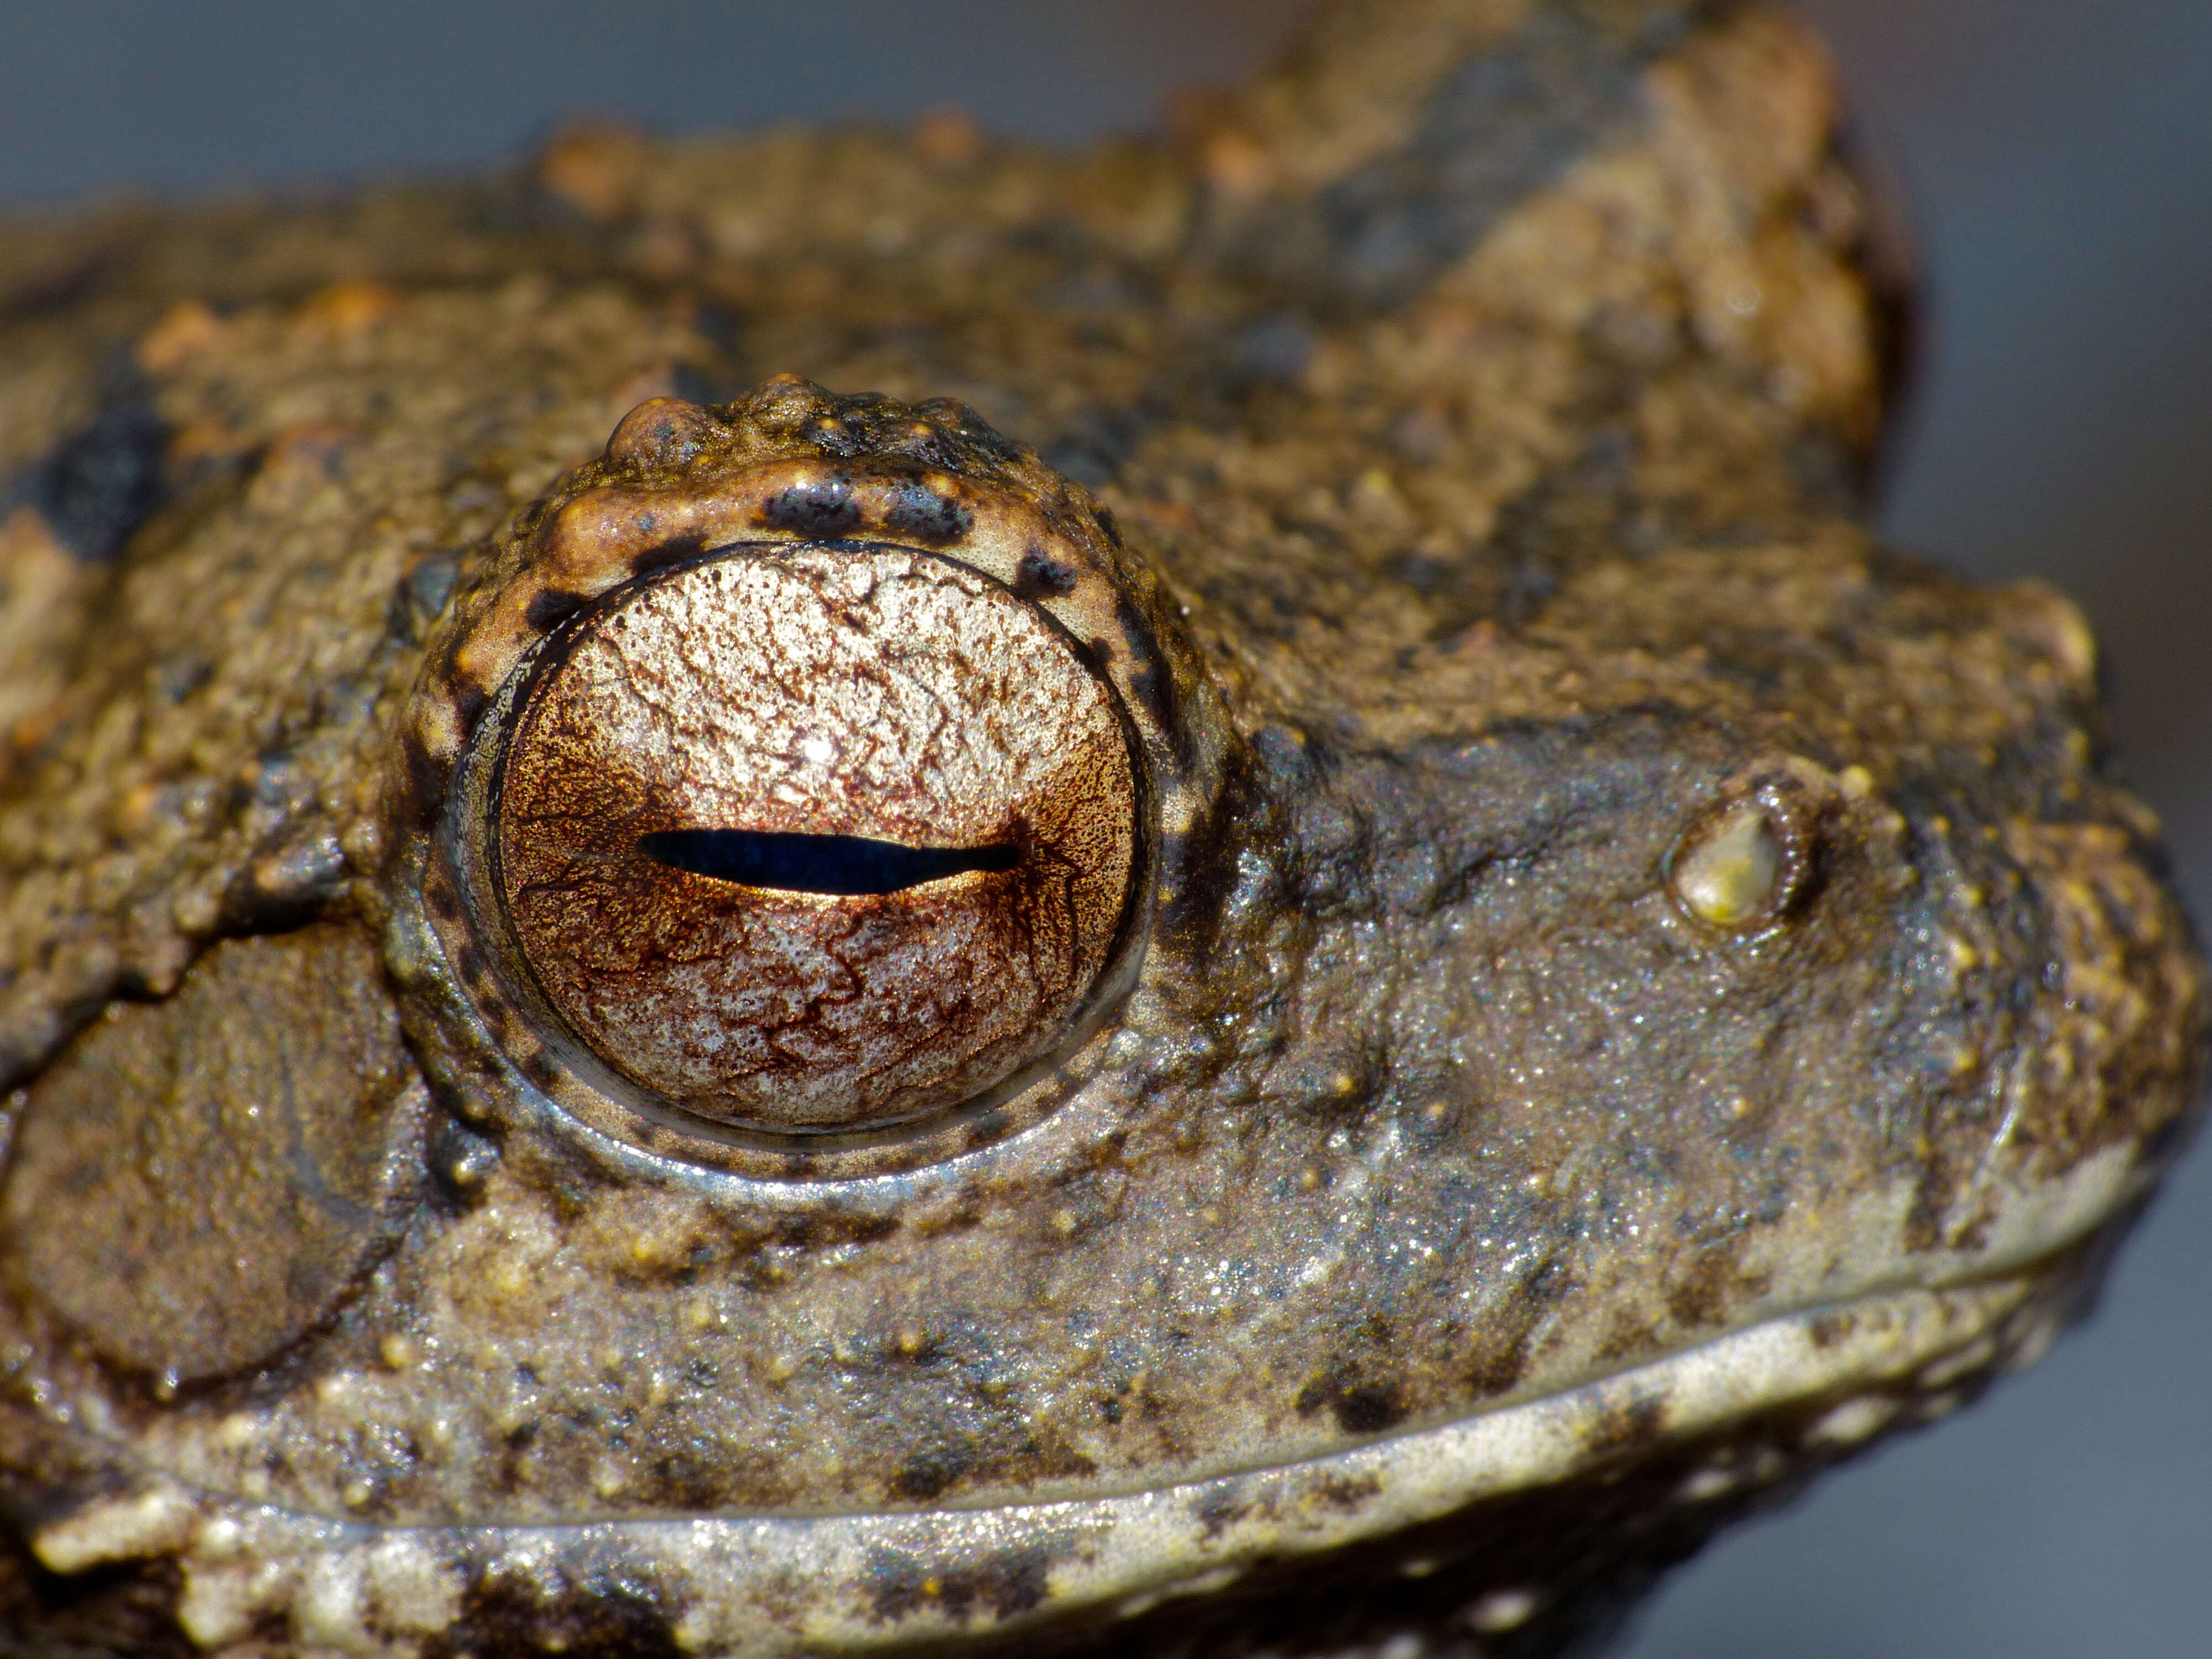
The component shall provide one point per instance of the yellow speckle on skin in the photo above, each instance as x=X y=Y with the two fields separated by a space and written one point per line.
x=1729 y=876
x=511 y=1279
x=1855 y=783
x=399 y=1353
x=356 y=1494
x=117 y=1529
x=1064 y=1222
x=695 y=1631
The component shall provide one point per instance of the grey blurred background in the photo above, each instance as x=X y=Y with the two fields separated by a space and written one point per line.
x=2055 y=160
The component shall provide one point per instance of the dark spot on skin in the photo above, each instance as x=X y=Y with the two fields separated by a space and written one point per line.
x=1831 y=1328
x=610 y=1614
x=426 y=778
x=1359 y=1407
x=550 y=608
x=660 y=555
x=444 y=904
x=1217 y=1511
x=1627 y=1427
x=98 y=485
x=958 y=418
x=827 y=510
x=999 y=1586
x=474 y=968
x=1153 y=686
x=981 y=1131
x=918 y=511
x=1702 y=1292
x=689 y=1478
x=825 y=1230
x=926 y=1474
x=1040 y=576
x=1346 y=1493
x=539 y=1069
x=1368 y=1408
x=834 y=438
x=1498 y=1373
x=459 y=1158
x=470 y=701
x=1931 y=1202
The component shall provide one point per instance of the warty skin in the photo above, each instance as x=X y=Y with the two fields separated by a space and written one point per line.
x=1433 y=1224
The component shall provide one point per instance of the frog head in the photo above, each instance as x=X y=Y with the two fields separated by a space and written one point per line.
x=1354 y=991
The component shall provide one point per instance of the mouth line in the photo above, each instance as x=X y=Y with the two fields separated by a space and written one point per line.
x=838 y=867
x=1833 y=1378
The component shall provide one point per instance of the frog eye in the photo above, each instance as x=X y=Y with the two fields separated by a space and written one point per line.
x=1747 y=860
x=811 y=840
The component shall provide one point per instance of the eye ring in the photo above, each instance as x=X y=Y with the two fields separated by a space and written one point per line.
x=767 y=901
x=1018 y=560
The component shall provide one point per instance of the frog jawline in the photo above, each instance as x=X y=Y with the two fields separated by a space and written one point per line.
x=1849 y=1371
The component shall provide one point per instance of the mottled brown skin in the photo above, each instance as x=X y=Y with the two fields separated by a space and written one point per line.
x=1449 y=449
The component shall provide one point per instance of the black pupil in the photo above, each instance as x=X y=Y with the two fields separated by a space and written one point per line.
x=840 y=864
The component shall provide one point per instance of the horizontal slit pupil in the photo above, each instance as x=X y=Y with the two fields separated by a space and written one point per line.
x=842 y=865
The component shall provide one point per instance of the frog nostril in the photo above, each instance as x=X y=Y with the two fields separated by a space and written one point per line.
x=1747 y=860
x=1730 y=875
x=843 y=867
